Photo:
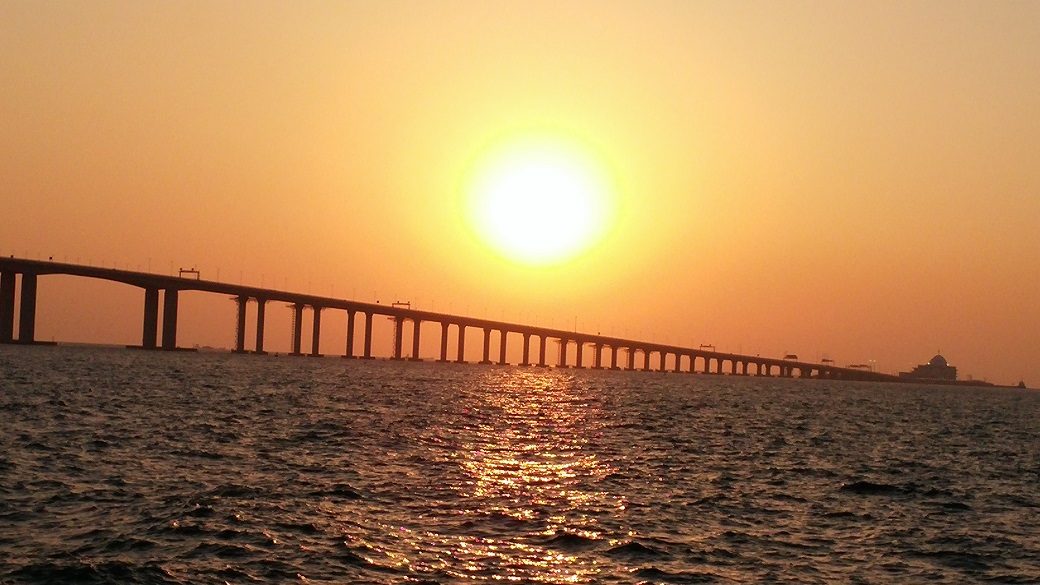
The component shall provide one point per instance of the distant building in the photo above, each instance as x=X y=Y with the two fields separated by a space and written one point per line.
x=936 y=369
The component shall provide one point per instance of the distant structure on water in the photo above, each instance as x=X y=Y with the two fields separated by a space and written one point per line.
x=936 y=369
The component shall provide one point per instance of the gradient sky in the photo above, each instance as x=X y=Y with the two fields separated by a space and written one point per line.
x=851 y=180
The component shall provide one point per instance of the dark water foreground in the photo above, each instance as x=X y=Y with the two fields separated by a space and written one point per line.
x=133 y=467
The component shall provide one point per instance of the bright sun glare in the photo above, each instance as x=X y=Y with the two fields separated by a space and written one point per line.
x=539 y=200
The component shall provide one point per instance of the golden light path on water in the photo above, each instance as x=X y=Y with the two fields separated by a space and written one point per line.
x=525 y=454
x=514 y=491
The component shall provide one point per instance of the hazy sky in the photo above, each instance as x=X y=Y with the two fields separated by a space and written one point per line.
x=852 y=180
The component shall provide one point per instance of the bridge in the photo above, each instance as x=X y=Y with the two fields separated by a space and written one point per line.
x=20 y=277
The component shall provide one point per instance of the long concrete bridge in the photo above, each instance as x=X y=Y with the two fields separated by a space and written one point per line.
x=591 y=351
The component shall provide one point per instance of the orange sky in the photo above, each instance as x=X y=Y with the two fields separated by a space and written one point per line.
x=856 y=181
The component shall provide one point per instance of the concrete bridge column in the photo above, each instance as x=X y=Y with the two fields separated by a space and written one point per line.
x=631 y=358
x=398 y=332
x=598 y=362
x=647 y=356
x=577 y=357
x=678 y=363
x=733 y=367
x=316 y=332
x=664 y=357
x=7 y=307
x=297 y=327
x=349 y=352
x=169 y=319
x=150 y=331
x=444 y=342
x=416 y=325
x=240 y=326
x=487 y=346
x=502 y=347
x=461 y=358
x=27 y=309
x=563 y=353
x=527 y=350
x=261 y=309
x=541 y=351
x=368 y=335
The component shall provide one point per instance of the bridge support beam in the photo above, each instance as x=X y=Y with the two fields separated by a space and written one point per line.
x=461 y=356
x=27 y=309
x=502 y=348
x=240 y=328
x=316 y=332
x=613 y=357
x=416 y=325
x=7 y=280
x=541 y=351
x=563 y=353
x=444 y=342
x=597 y=363
x=368 y=336
x=348 y=352
x=527 y=350
x=261 y=305
x=487 y=346
x=169 y=320
x=398 y=332
x=631 y=358
x=150 y=329
x=577 y=357
x=297 y=334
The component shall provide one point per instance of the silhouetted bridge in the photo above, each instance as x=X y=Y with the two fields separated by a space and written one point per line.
x=620 y=353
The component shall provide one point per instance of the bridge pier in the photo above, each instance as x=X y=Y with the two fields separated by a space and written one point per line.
x=631 y=358
x=150 y=330
x=7 y=281
x=541 y=351
x=487 y=346
x=613 y=357
x=597 y=363
x=261 y=305
x=316 y=332
x=444 y=342
x=398 y=332
x=240 y=329
x=297 y=334
x=527 y=350
x=577 y=358
x=461 y=356
x=563 y=353
x=416 y=325
x=348 y=352
x=502 y=347
x=27 y=309
x=368 y=335
x=169 y=320
x=664 y=357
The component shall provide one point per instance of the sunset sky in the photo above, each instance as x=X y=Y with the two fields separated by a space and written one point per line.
x=852 y=180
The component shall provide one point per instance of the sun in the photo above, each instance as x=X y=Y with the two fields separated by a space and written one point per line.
x=539 y=200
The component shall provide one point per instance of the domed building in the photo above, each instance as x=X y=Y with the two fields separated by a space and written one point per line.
x=936 y=369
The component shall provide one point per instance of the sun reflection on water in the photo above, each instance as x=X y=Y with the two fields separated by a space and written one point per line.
x=524 y=449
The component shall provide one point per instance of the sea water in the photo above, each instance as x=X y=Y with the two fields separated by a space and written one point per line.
x=121 y=466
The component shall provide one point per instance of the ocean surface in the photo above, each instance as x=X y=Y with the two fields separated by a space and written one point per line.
x=120 y=466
